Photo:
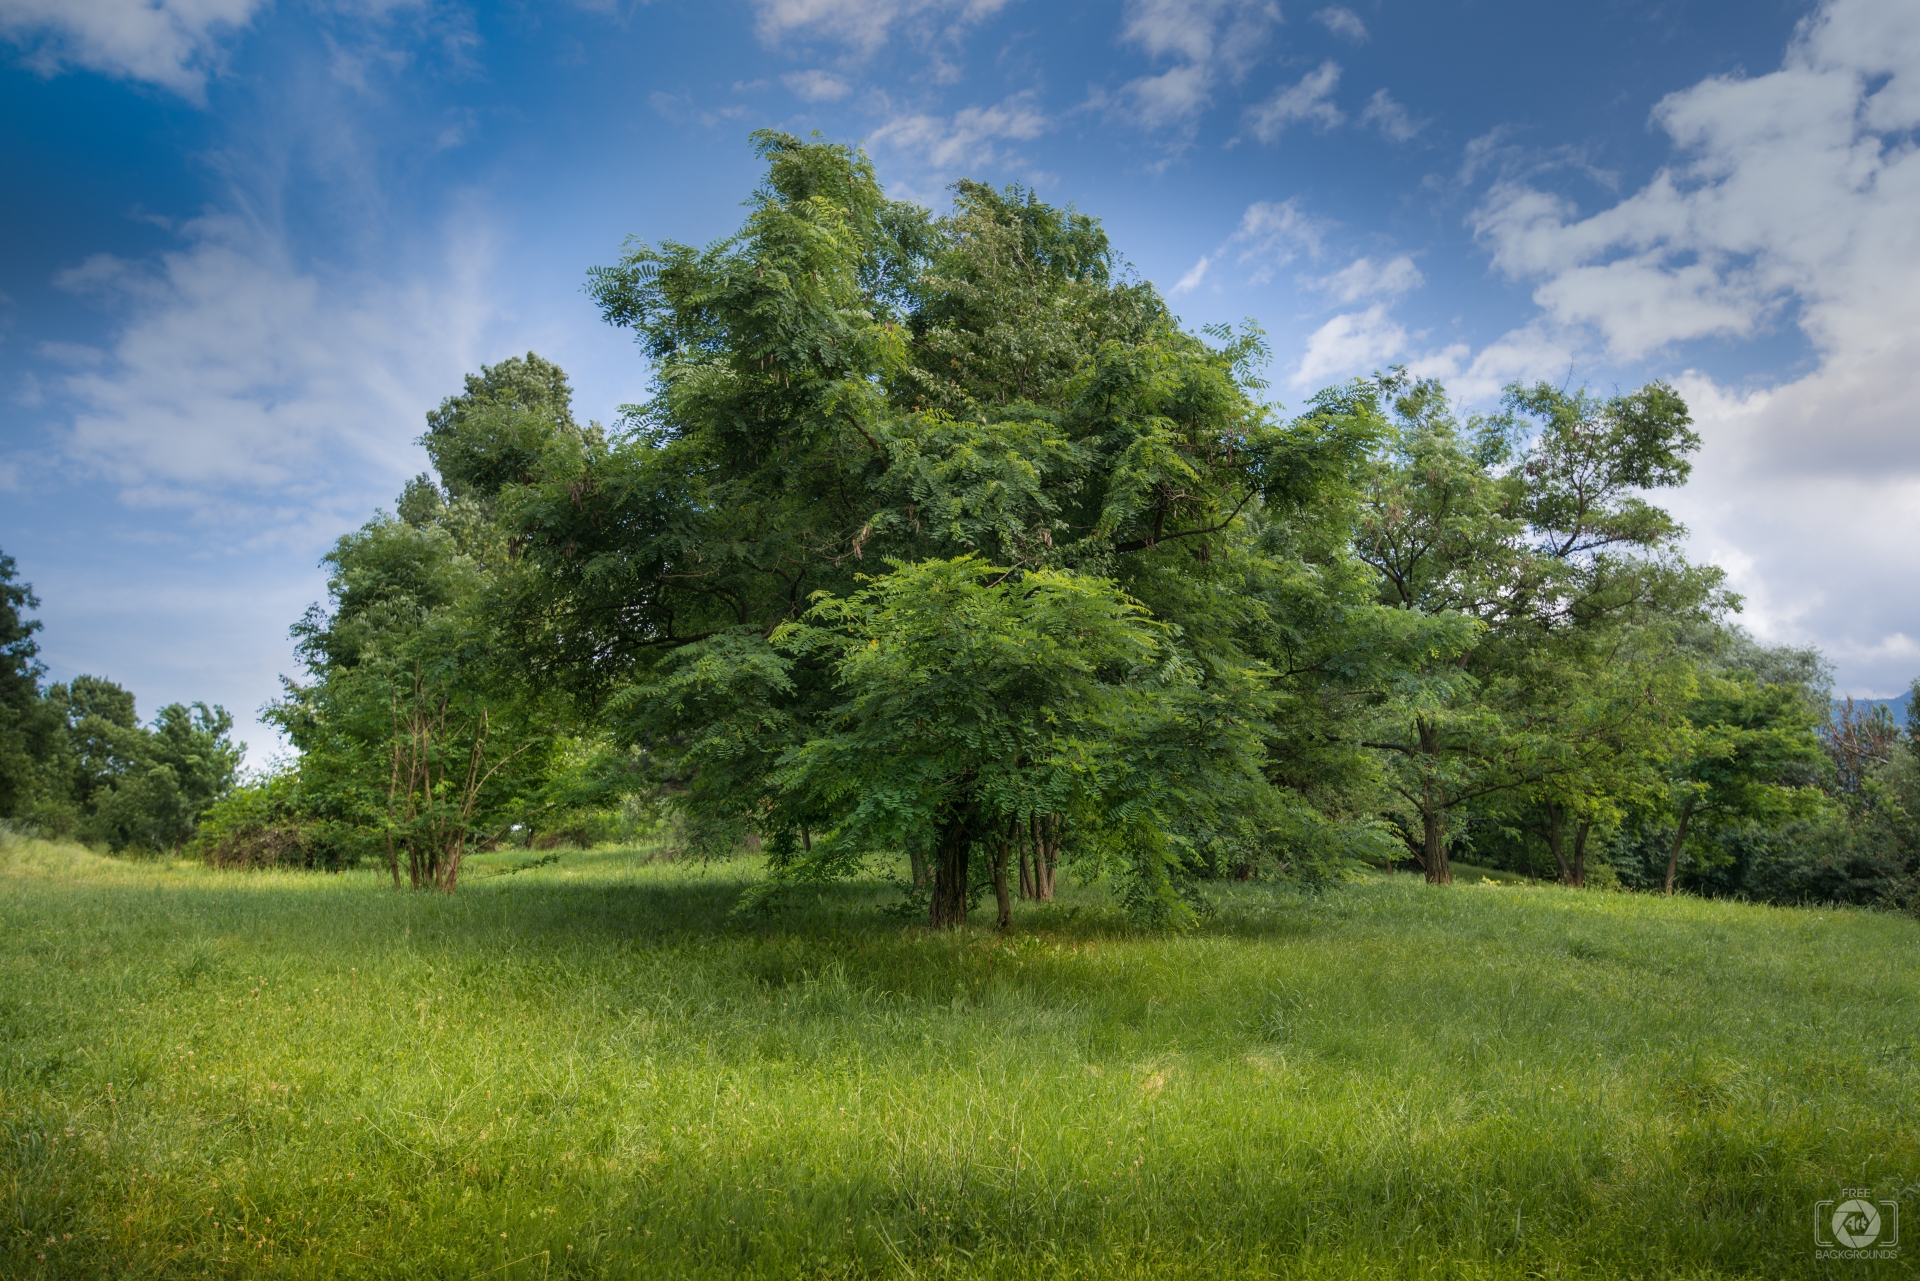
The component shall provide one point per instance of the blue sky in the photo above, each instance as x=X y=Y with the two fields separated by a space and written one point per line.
x=247 y=245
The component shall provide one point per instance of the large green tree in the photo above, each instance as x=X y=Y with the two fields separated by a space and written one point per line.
x=850 y=384
x=1529 y=530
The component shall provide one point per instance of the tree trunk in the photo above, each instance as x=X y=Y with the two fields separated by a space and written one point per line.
x=918 y=861
x=1045 y=851
x=1004 y=900
x=1434 y=844
x=450 y=867
x=1580 y=854
x=948 y=908
x=1679 y=838
x=1028 y=888
x=1557 y=843
x=1433 y=818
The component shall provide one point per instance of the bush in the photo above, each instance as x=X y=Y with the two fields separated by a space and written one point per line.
x=262 y=825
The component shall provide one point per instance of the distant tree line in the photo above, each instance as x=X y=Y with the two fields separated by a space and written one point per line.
x=942 y=541
x=75 y=761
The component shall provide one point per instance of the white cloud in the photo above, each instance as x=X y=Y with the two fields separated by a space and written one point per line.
x=1792 y=196
x=1195 y=274
x=1342 y=22
x=1351 y=343
x=1173 y=99
x=1311 y=101
x=1793 y=186
x=968 y=138
x=1531 y=353
x=1201 y=31
x=247 y=408
x=1211 y=40
x=816 y=86
x=865 y=25
x=1365 y=278
x=1273 y=235
x=237 y=375
x=1390 y=118
x=169 y=43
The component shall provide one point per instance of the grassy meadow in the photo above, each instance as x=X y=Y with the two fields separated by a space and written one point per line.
x=586 y=1070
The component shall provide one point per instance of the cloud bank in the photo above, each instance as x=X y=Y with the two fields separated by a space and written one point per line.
x=238 y=377
x=1790 y=200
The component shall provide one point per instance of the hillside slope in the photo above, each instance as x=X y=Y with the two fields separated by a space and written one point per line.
x=585 y=1070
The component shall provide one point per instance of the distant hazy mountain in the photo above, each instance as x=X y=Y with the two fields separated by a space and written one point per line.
x=1898 y=706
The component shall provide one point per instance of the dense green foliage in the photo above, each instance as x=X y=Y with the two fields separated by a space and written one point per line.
x=589 y=1070
x=75 y=760
x=941 y=541
x=419 y=737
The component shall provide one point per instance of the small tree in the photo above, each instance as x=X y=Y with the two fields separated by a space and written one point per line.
x=417 y=737
x=439 y=770
x=1859 y=739
x=1737 y=757
x=977 y=702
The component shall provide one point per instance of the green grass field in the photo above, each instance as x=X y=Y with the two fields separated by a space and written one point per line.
x=585 y=1070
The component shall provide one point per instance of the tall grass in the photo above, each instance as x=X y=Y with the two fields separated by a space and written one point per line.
x=586 y=1070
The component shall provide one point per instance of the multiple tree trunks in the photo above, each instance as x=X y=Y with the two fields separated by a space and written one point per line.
x=434 y=786
x=1573 y=871
x=948 y=906
x=1032 y=847
x=1043 y=841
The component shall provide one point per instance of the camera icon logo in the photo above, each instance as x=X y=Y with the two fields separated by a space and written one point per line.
x=1857 y=1227
x=1856 y=1223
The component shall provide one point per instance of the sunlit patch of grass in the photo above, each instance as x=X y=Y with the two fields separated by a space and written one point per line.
x=586 y=1068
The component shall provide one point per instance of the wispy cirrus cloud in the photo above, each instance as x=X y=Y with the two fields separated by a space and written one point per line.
x=237 y=379
x=1210 y=42
x=865 y=25
x=1394 y=121
x=1308 y=101
x=816 y=85
x=1342 y=21
x=971 y=137
x=1365 y=278
x=1270 y=235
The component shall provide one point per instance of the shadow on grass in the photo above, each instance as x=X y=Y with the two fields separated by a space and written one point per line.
x=620 y=898
x=625 y=919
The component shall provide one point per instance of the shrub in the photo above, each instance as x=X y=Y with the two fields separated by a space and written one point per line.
x=262 y=825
